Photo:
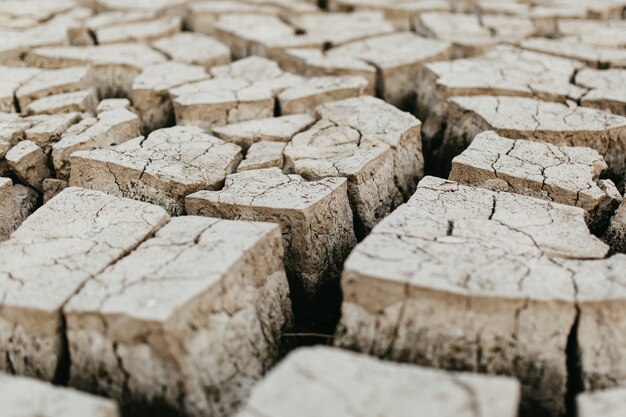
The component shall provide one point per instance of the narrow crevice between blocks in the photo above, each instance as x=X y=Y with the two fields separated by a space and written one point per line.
x=575 y=384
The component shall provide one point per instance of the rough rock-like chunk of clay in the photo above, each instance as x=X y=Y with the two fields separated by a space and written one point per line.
x=565 y=175
x=114 y=66
x=82 y=101
x=113 y=104
x=467 y=278
x=47 y=83
x=187 y=322
x=162 y=169
x=111 y=128
x=400 y=13
x=29 y=163
x=53 y=253
x=260 y=72
x=381 y=124
x=260 y=34
x=339 y=150
x=330 y=382
x=52 y=187
x=265 y=154
x=526 y=118
x=569 y=47
x=398 y=59
x=607 y=89
x=504 y=71
x=10 y=80
x=139 y=31
x=26 y=198
x=10 y=216
x=611 y=33
x=203 y=15
x=305 y=97
x=315 y=218
x=26 y=397
x=150 y=92
x=194 y=49
x=220 y=101
x=473 y=35
x=276 y=129
x=47 y=129
x=606 y=403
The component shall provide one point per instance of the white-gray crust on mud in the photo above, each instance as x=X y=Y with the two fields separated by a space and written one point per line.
x=570 y=47
x=505 y=305
x=49 y=257
x=564 y=175
x=604 y=403
x=473 y=35
x=276 y=129
x=24 y=397
x=12 y=78
x=264 y=154
x=531 y=119
x=107 y=129
x=50 y=82
x=504 y=71
x=607 y=89
x=315 y=218
x=150 y=94
x=381 y=124
x=391 y=63
x=194 y=49
x=161 y=169
x=29 y=163
x=187 y=322
x=114 y=66
x=10 y=216
x=331 y=382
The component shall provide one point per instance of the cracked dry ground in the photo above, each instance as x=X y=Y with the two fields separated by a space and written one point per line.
x=279 y=208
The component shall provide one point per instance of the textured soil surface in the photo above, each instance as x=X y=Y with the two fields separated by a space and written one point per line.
x=281 y=208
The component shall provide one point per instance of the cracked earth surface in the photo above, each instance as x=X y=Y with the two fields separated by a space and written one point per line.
x=273 y=208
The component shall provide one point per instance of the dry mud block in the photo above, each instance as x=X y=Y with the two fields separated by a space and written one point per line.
x=10 y=216
x=10 y=81
x=274 y=129
x=187 y=322
x=570 y=47
x=251 y=88
x=23 y=397
x=162 y=169
x=470 y=279
x=609 y=403
x=48 y=83
x=150 y=92
x=270 y=36
x=107 y=129
x=400 y=13
x=314 y=216
x=471 y=34
x=260 y=155
x=194 y=49
x=381 y=124
x=605 y=33
x=143 y=31
x=54 y=252
x=503 y=71
x=390 y=63
x=83 y=101
x=29 y=163
x=331 y=382
x=565 y=175
x=525 y=118
x=607 y=89
x=114 y=66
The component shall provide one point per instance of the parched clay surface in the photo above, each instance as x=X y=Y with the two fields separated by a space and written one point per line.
x=609 y=403
x=186 y=322
x=505 y=306
x=525 y=118
x=565 y=175
x=330 y=382
x=54 y=252
x=314 y=216
x=161 y=169
x=25 y=397
x=607 y=89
